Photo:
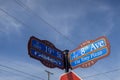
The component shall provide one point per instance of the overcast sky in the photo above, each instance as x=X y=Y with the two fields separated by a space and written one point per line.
x=66 y=23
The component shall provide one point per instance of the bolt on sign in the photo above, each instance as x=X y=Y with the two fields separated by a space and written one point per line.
x=45 y=52
x=70 y=76
x=89 y=52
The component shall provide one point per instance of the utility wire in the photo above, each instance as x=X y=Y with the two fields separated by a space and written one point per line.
x=83 y=77
x=16 y=20
x=19 y=21
x=102 y=73
x=20 y=3
x=2 y=70
x=49 y=73
x=114 y=70
x=21 y=71
x=29 y=9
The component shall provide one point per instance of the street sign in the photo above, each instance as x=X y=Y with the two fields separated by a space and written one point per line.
x=45 y=52
x=70 y=76
x=89 y=52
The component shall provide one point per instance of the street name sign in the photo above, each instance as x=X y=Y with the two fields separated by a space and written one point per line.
x=70 y=76
x=45 y=52
x=89 y=52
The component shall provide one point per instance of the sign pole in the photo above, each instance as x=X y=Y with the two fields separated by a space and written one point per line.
x=67 y=64
x=48 y=74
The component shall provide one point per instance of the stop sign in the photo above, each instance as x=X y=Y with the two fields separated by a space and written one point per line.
x=70 y=76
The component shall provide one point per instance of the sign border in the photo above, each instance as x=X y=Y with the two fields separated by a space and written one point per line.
x=49 y=44
x=90 y=42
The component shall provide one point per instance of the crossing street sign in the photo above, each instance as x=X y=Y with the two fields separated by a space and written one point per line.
x=45 y=52
x=91 y=50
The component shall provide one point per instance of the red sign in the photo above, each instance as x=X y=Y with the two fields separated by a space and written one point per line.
x=70 y=76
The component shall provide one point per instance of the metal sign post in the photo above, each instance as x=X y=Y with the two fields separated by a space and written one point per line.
x=66 y=62
x=48 y=74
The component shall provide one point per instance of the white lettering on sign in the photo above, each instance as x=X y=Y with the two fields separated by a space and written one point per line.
x=97 y=45
x=43 y=56
x=92 y=47
x=82 y=51
x=89 y=48
x=47 y=49
x=86 y=58
x=89 y=57
x=75 y=55
x=77 y=61
x=96 y=54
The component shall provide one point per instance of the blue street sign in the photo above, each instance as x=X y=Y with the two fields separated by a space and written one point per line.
x=89 y=57
x=51 y=51
x=42 y=56
x=95 y=50
x=46 y=52
x=87 y=49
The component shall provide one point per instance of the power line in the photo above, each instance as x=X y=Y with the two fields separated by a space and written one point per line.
x=21 y=71
x=20 y=3
x=29 y=9
x=16 y=20
x=19 y=21
x=48 y=74
x=102 y=73
x=9 y=72
x=43 y=79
